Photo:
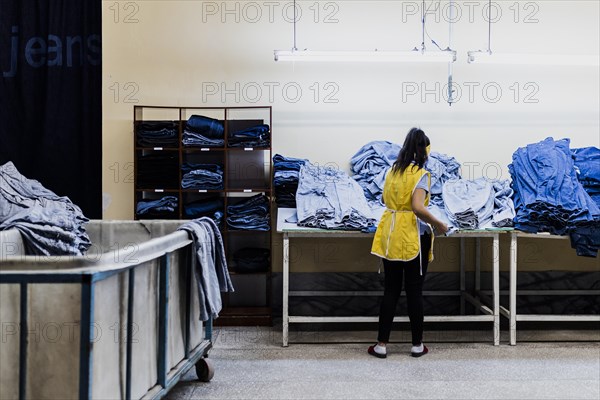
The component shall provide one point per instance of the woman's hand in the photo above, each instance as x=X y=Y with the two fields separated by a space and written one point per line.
x=440 y=228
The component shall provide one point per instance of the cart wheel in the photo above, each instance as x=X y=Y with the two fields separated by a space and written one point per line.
x=205 y=370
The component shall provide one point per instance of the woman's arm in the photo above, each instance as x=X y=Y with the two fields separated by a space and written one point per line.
x=418 y=201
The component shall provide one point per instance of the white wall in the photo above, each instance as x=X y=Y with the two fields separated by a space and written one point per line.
x=194 y=53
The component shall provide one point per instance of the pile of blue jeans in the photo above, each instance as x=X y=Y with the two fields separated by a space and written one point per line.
x=549 y=197
x=442 y=168
x=285 y=179
x=49 y=224
x=211 y=207
x=157 y=133
x=165 y=207
x=201 y=131
x=587 y=163
x=202 y=176
x=251 y=214
x=370 y=164
x=328 y=198
x=255 y=136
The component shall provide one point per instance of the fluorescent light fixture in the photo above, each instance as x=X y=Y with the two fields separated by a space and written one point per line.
x=445 y=56
x=485 y=57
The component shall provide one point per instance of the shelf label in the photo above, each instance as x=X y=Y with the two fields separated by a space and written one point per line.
x=204 y=149
x=202 y=191
x=158 y=148
x=247 y=190
x=159 y=190
x=248 y=148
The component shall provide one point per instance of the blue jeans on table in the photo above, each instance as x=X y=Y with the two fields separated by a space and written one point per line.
x=330 y=199
x=469 y=203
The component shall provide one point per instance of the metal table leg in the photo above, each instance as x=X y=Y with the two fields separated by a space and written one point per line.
x=462 y=276
x=286 y=288
x=513 y=290
x=496 y=278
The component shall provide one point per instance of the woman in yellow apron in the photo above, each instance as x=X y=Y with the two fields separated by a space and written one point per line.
x=404 y=240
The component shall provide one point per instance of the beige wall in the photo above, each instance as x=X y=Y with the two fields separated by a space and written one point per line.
x=194 y=53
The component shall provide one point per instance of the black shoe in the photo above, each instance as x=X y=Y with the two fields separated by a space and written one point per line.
x=425 y=351
x=372 y=352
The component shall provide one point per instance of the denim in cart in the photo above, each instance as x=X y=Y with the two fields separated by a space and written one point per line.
x=49 y=224
x=328 y=198
x=211 y=267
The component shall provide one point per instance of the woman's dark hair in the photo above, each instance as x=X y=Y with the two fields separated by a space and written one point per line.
x=413 y=149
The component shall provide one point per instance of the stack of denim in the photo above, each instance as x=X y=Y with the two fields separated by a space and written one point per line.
x=202 y=176
x=285 y=179
x=165 y=207
x=442 y=168
x=328 y=198
x=370 y=165
x=159 y=170
x=469 y=204
x=256 y=136
x=587 y=162
x=49 y=224
x=201 y=131
x=251 y=214
x=208 y=207
x=549 y=197
x=157 y=133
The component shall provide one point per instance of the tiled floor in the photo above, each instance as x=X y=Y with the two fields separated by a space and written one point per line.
x=251 y=364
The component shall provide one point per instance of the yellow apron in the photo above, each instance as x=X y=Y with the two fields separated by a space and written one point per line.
x=397 y=236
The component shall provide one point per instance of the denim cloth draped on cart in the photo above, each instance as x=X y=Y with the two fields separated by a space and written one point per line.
x=49 y=224
x=165 y=207
x=255 y=136
x=157 y=133
x=201 y=131
x=549 y=197
x=202 y=176
x=328 y=198
x=211 y=207
x=587 y=163
x=251 y=214
x=158 y=170
x=285 y=179
x=211 y=267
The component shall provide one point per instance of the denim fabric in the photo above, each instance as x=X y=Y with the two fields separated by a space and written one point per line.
x=504 y=209
x=256 y=136
x=370 y=164
x=469 y=203
x=208 y=127
x=157 y=133
x=201 y=131
x=211 y=268
x=49 y=224
x=166 y=204
x=442 y=168
x=250 y=214
x=548 y=197
x=586 y=240
x=285 y=179
x=209 y=207
x=202 y=176
x=330 y=199
x=587 y=163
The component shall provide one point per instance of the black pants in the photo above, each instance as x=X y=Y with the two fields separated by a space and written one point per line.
x=409 y=272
